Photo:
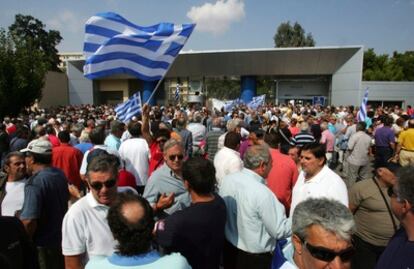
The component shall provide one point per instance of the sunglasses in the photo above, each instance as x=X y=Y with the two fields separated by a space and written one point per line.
x=174 y=157
x=99 y=185
x=328 y=255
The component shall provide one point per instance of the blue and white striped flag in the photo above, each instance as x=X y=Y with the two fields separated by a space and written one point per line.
x=130 y=108
x=177 y=93
x=114 y=45
x=230 y=104
x=362 y=114
x=257 y=101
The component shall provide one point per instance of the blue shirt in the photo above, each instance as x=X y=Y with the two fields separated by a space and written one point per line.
x=112 y=142
x=255 y=217
x=384 y=136
x=163 y=180
x=150 y=260
x=46 y=201
x=84 y=147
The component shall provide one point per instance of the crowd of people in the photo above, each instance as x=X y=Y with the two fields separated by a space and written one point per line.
x=194 y=187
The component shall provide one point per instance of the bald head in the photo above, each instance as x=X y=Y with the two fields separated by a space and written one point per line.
x=132 y=212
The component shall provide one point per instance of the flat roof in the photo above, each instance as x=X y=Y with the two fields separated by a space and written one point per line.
x=258 y=62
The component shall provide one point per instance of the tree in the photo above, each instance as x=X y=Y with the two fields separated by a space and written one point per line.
x=292 y=36
x=29 y=32
x=25 y=57
x=400 y=67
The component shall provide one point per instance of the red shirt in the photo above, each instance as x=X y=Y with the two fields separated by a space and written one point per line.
x=68 y=159
x=282 y=177
x=126 y=178
x=53 y=140
x=157 y=157
x=294 y=130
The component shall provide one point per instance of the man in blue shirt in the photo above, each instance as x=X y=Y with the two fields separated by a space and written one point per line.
x=384 y=142
x=255 y=218
x=45 y=204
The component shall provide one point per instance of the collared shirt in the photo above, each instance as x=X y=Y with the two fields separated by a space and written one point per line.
x=282 y=177
x=359 y=145
x=329 y=140
x=255 y=218
x=406 y=139
x=163 y=180
x=227 y=161
x=384 y=136
x=324 y=184
x=68 y=159
x=85 y=229
x=112 y=142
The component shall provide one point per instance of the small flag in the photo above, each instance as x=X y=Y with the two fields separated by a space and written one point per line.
x=257 y=101
x=177 y=93
x=114 y=45
x=130 y=108
x=362 y=114
x=230 y=104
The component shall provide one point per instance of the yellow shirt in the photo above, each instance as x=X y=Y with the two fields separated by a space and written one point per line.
x=406 y=139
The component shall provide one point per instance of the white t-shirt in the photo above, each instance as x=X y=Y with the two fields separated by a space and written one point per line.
x=135 y=152
x=325 y=184
x=13 y=201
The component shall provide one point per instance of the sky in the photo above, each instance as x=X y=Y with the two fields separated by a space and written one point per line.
x=385 y=25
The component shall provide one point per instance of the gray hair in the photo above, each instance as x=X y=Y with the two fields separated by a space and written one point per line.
x=304 y=126
x=84 y=137
x=232 y=125
x=171 y=143
x=406 y=184
x=255 y=155
x=330 y=214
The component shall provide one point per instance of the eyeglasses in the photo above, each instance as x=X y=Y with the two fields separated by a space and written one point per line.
x=99 y=185
x=328 y=255
x=174 y=157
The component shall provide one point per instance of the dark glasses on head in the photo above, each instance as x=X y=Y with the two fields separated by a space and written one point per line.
x=99 y=185
x=328 y=255
x=174 y=157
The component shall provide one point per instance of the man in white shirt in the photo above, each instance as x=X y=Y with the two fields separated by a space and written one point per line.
x=135 y=152
x=85 y=230
x=227 y=159
x=12 y=184
x=316 y=180
x=255 y=218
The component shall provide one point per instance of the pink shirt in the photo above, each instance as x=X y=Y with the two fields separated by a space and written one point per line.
x=328 y=139
x=282 y=177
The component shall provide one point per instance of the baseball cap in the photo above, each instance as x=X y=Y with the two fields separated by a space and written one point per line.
x=39 y=146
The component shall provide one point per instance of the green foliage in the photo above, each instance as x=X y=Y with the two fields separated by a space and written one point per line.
x=399 y=67
x=24 y=61
x=292 y=36
x=29 y=32
x=223 y=88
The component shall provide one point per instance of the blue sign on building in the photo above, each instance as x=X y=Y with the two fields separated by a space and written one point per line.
x=319 y=100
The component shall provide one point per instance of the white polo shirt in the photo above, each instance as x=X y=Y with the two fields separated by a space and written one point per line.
x=85 y=229
x=325 y=184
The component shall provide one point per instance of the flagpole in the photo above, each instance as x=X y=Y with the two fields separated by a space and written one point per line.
x=159 y=81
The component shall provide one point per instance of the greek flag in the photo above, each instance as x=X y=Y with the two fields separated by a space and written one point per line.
x=257 y=101
x=177 y=93
x=130 y=108
x=114 y=45
x=230 y=104
x=362 y=114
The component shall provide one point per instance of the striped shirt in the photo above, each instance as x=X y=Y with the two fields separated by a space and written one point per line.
x=303 y=138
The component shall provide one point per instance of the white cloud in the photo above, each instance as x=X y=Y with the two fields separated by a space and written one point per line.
x=216 y=18
x=66 y=21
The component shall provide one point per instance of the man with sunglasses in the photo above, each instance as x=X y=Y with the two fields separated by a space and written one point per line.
x=166 y=182
x=399 y=251
x=321 y=237
x=85 y=228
